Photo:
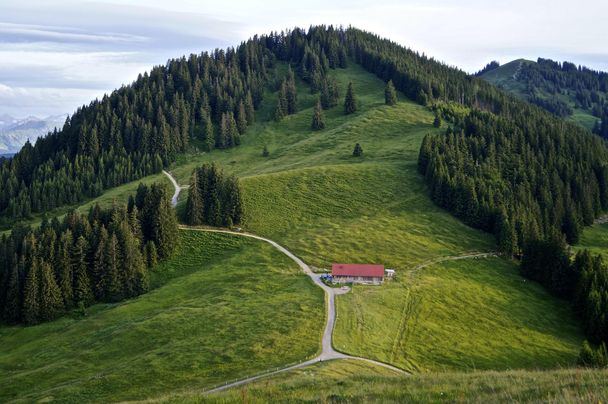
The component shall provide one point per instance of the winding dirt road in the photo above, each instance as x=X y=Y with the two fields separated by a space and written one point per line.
x=327 y=350
x=177 y=187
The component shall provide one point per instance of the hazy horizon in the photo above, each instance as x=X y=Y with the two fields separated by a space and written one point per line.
x=60 y=56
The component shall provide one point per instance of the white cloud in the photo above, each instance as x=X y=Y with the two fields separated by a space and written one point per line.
x=50 y=33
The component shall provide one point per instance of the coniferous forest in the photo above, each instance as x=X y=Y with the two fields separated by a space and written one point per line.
x=103 y=256
x=208 y=98
x=214 y=198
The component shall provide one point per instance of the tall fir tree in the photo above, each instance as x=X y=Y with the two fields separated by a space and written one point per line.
x=31 y=301
x=51 y=301
x=64 y=267
x=194 y=205
x=82 y=284
x=390 y=94
x=318 y=118
x=350 y=102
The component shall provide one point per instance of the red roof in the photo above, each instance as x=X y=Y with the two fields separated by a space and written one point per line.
x=357 y=270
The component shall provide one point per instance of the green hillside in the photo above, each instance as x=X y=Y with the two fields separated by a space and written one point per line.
x=221 y=308
x=505 y=77
x=311 y=195
x=531 y=81
x=224 y=308
x=356 y=382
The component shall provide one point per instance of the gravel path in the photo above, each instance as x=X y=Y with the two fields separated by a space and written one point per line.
x=327 y=351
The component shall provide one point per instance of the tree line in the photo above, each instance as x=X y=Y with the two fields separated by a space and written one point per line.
x=583 y=281
x=105 y=256
x=214 y=198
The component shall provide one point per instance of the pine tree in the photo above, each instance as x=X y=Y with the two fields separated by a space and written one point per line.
x=51 y=302
x=221 y=140
x=82 y=283
x=194 y=205
x=98 y=274
x=241 y=118
x=164 y=232
x=350 y=102
x=437 y=121
x=31 y=300
x=207 y=135
x=390 y=94
x=64 y=268
x=318 y=118
x=133 y=269
x=12 y=308
x=249 y=109
x=329 y=93
x=151 y=254
x=112 y=276
x=291 y=93
x=358 y=150
x=282 y=105
x=232 y=205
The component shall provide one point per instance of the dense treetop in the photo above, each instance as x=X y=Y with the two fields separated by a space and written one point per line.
x=102 y=256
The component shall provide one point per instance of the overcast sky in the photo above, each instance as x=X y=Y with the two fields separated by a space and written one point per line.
x=55 y=57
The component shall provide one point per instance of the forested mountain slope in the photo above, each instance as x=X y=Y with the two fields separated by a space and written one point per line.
x=564 y=89
x=209 y=100
x=303 y=186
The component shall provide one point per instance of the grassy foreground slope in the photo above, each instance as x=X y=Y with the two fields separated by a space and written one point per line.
x=356 y=382
x=462 y=314
x=326 y=206
x=223 y=307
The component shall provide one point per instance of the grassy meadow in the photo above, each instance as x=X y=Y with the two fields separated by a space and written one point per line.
x=458 y=315
x=326 y=206
x=594 y=239
x=223 y=307
x=359 y=382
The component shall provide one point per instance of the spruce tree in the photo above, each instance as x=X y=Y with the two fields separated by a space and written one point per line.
x=437 y=121
x=151 y=254
x=31 y=300
x=241 y=118
x=82 y=283
x=318 y=118
x=350 y=102
x=358 y=150
x=12 y=308
x=51 y=302
x=291 y=93
x=249 y=109
x=390 y=94
x=132 y=267
x=194 y=205
x=112 y=276
x=64 y=266
x=207 y=135
x=164 y=230
x=221 y=138
x=98 y=274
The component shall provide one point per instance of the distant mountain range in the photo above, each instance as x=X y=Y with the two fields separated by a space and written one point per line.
x=15 y=132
